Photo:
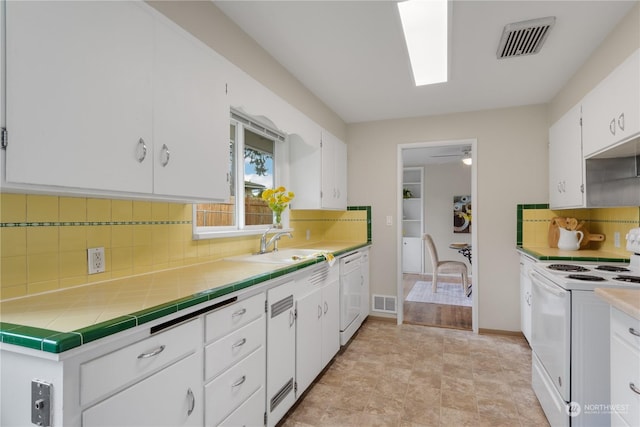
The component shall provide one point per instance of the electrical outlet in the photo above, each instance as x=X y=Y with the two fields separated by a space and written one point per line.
x=308 y=234
x=95 y=259
x=616 y=239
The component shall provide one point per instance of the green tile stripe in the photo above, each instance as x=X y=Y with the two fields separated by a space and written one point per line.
x=88 y=223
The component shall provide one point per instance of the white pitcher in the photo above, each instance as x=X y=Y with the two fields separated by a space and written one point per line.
x=569 y=240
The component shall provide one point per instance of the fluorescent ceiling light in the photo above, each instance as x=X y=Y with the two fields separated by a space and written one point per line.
x=425 y=25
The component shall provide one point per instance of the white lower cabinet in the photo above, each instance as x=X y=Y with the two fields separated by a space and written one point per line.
x=318 y=324
x=234 y=387
x=234 y=365
x=171 y=397
x=412 y=255
x=625 y=369
x=526 y=264
x=281 y=351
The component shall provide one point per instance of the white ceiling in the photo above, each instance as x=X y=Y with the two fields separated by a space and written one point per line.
x=351 y=54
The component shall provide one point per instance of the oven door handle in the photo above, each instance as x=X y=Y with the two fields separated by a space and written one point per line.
x=541 y=281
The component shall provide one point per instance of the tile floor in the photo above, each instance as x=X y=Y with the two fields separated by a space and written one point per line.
x=413 y=375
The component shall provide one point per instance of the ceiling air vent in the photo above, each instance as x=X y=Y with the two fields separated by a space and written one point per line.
x=525 y=37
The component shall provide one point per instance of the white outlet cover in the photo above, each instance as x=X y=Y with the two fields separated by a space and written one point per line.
x=95 y=260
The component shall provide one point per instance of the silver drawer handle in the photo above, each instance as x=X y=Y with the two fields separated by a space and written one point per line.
x=155 y=352
x=239 y=343
x=240 y=381
x=632 y=331
x=192 y=398
x=166 y=155
x=239 y=312
x=141 y=150
x=635 y=389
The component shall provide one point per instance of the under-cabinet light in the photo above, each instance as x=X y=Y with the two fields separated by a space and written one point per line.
x=425 y=26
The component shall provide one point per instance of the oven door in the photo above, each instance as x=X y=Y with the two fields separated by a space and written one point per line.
x=551 y=330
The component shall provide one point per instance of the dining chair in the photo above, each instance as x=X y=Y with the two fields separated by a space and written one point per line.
x=444 y=266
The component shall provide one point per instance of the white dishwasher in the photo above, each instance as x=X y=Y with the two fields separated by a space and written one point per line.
x=350 y=295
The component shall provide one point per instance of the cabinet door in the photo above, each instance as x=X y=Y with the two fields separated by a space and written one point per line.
x=308 y=339
x=79 y=94
x=611 y=111
x=334 y=172
x=330 y=321
x=191 y=118
x=281 y=351
x=566 y=162
x=171 y=397
x=366 y=294
x=525 y=297
x=412 y=255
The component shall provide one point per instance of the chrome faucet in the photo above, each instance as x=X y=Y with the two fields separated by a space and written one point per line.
x=274 y=239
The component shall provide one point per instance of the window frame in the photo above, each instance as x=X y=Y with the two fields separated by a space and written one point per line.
x=261 y=126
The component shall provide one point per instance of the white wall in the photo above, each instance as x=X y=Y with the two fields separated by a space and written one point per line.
x=441 y=183
x=511 y=166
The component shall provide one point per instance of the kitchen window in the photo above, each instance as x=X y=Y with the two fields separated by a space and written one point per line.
x=253 y=167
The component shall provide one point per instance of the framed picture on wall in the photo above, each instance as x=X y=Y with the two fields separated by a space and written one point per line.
x=462 y=214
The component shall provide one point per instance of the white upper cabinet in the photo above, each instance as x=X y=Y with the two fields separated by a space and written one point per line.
x=566 y=184
x=190 y=118
x=318 y=169
x=611 y=111
x=112 y=98
x=334 y=172
x=79 y=94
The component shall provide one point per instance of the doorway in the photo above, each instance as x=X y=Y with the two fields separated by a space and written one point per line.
x=448 y=186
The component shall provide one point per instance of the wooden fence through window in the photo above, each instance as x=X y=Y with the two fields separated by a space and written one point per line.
x=256 y=211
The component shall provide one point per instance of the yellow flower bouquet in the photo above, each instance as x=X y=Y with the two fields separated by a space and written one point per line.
x=278 y=199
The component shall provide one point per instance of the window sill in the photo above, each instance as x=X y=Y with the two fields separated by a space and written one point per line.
x=204 y=235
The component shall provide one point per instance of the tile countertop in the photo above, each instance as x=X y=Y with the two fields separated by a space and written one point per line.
x=625 y=300
x=583 y=255
x=58 y=321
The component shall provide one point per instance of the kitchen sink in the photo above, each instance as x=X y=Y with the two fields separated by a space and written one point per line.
x=282 y=256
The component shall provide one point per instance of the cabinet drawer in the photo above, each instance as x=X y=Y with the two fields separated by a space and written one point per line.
x=227 y=392
x=625 y=367
x=114 y=370
x=621 y=324
x=250 y=413
x=222 y=354
x=226 y=320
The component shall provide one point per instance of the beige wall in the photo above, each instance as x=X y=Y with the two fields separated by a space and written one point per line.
x=512 y=169
x=622 y=41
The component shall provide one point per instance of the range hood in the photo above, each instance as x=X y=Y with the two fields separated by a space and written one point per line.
x=613 y=177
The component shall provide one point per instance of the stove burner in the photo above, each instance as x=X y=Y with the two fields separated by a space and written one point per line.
x=628 y=279
x=567 y=267
x=612 y=268
x=586 y=277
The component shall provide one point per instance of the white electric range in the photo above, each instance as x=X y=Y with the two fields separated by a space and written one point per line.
x=570 y=336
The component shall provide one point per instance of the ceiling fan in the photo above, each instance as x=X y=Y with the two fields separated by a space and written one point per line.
x=465 y=156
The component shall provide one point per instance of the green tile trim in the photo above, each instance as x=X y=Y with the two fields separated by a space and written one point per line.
x=106 y=328
x=27 y=336
x=62 y=341
x=153 y=313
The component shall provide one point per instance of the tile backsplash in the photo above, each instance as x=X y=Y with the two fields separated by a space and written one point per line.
x=44 y=239
x=534 y=220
